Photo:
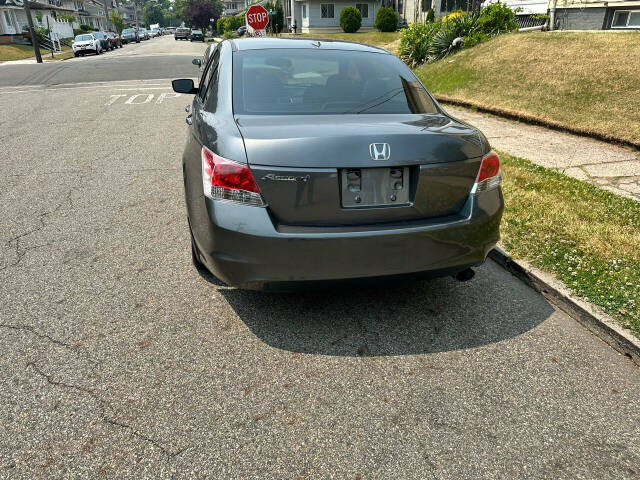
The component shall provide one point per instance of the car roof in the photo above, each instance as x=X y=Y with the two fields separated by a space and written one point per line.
x=261 y=43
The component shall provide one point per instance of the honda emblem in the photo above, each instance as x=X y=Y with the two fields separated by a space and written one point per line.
x=380 y=151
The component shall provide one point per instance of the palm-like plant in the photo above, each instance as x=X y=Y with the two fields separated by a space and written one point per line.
x=442 y=42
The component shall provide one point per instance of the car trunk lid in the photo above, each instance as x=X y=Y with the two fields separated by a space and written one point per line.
x=319 y=170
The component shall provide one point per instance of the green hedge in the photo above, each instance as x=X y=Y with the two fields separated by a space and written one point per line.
x=229 y=24
x=386 y=20
x=350 y=19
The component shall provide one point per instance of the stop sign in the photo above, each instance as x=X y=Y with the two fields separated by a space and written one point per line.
x=257 y=17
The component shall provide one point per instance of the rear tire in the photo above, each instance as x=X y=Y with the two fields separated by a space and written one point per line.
x=75 y=54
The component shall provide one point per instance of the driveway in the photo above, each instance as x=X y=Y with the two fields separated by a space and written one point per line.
x=118 y=359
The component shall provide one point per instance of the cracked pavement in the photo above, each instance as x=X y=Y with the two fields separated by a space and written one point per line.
x=118 y=359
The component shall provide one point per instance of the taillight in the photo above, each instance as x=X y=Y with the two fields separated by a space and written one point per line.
x=223 y=179
x=489 y=175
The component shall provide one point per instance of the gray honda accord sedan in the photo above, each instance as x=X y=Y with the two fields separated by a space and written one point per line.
x=313 y=161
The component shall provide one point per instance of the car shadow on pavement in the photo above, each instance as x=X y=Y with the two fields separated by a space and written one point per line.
x=401 y=319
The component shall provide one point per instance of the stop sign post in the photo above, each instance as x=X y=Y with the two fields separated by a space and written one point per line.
x=257 y=19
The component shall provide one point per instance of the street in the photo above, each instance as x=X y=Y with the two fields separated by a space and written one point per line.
x=118 y=359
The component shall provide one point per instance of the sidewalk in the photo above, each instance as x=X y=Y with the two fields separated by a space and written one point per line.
x=615 y=168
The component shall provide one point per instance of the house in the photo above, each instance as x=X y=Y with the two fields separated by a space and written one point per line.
x=13 y=19
x=93 y=14
x=595 y=15
x=129 y=14
x=234 y=7
x=323 y=16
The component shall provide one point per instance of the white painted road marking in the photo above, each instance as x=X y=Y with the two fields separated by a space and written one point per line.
x=162 y=96
x=130 y=100
x=133 y=99
x=114 y=98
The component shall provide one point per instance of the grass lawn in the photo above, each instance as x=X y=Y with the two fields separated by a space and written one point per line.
x=585 y=80
x=15 y=52
x=20 y=52
x=587 y=237
x=371 y=38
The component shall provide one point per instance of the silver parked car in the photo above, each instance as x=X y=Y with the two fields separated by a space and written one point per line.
x=310 y=160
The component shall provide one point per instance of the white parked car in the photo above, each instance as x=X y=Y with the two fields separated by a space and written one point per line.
x=86 y=43
x=154 y=32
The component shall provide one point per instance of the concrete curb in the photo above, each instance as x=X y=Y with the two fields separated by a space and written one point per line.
x=532 y=120
x=599 y=323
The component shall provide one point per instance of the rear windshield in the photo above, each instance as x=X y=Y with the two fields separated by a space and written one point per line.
x=197 y=32
x=127 y=30
x=83 y=38
x=322 y=82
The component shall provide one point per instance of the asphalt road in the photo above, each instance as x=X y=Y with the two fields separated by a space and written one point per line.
x=119 y=360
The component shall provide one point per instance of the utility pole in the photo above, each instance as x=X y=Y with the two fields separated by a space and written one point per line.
x=32 y=31
x=135 y=14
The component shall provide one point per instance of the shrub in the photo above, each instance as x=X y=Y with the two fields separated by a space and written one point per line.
x=229 y=34
x=86 y=28
x=473 y=39
x=452 y=15
x=350 y=19
x=77 y=31
x=235 y=22
x=414 y=42
x=497 y=18
x=432 y=41
x=221 y=25
x=386 y=20
x=460 y=26
x=229 y=24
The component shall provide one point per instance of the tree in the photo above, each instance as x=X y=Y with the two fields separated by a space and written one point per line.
x=201 y=14
x=350 y=19
x=180 y=7
x=386 y=20
x=276 y=19
x=152 y=13
x=170 y=18
x=116 y=20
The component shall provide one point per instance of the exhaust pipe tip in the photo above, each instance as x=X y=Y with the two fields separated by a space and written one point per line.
x=465 y=275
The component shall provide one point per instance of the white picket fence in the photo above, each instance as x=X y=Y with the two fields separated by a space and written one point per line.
x=60 y=28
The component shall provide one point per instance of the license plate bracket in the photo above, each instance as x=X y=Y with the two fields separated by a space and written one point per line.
x=374 y=187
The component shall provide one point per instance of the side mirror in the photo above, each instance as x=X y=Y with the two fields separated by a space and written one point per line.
x=184 y=85
x=196 y=61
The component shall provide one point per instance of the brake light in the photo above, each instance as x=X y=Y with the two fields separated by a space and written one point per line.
x=224 y=179
x=489 y=175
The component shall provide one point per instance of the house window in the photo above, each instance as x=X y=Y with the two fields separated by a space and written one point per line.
x=364 y=9
x=304 y=10
x=326 y=10
x=626 y=19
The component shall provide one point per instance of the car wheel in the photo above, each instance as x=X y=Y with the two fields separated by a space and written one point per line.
x=75 y=54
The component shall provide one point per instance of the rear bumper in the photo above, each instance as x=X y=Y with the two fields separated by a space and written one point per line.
x=242 y=246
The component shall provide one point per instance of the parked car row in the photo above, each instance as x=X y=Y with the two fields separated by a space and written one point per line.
x=96 y=42
x=100 y=42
